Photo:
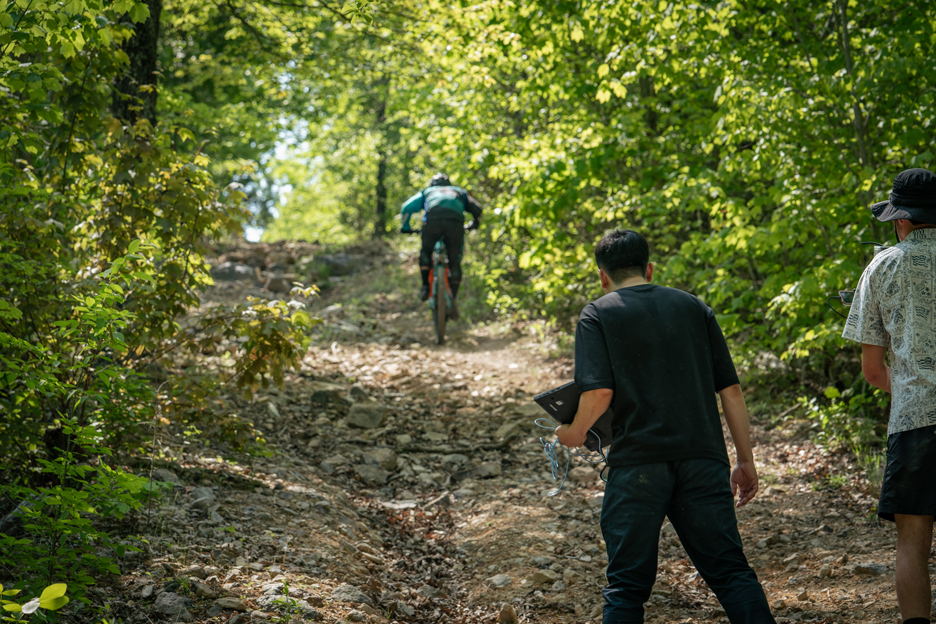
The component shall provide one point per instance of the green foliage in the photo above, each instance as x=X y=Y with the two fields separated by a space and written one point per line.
x=52 y=598
x=77 y=375
x=848 y=420
x=744 y=140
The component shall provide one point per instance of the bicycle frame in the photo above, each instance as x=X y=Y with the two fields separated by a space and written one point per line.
x=440 y=291
x=440 y=299
x=439 y=260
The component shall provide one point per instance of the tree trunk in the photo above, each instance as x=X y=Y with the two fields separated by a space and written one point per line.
x=132 y=102
x=380 y=222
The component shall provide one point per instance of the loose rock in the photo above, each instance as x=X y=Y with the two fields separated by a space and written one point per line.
x=507 y=615
x=202 y=497
x=367 y=415
x=372 y=474
x=351 y=594
x=500 y=580
x=174 y=606
x=544 y=577
x=870 y=569
x=281 y=284
x=204 y=591
x=234 y=604
x=383 y=457
x=323 y=393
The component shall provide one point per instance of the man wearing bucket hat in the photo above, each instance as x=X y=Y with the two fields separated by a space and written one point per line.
x=893 y=316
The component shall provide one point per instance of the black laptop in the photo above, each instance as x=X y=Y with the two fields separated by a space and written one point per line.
x=561 y=404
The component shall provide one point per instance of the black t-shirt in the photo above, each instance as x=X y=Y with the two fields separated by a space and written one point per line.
x=664 y=355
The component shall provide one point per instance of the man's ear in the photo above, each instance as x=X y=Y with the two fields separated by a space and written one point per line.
x=649 y=271
x=605 y=280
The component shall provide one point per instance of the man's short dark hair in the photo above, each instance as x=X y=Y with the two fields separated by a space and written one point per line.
x=623 y=254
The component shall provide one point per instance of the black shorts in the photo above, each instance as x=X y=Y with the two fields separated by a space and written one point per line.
x=909 y=485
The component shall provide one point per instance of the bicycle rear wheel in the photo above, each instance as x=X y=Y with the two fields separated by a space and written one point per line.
x=441 y=309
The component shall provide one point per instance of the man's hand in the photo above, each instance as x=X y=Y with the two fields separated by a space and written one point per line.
x=744 y=479
x=569 y=437
x=406 y=230
x=475 y=224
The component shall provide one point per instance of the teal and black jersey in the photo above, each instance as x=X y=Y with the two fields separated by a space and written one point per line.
x=441 y=203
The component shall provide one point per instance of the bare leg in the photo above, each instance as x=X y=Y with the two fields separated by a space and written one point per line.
x=914 y=539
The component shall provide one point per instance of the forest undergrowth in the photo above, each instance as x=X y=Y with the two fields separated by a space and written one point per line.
x=404 y=482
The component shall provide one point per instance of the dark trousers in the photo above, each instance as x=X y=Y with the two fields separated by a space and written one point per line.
x=452 y=233
x=696 y=496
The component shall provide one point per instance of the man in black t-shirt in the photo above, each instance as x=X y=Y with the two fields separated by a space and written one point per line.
x=659 y=357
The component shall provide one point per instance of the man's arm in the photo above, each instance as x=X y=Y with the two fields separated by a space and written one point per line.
x=744 y=475
x=472 y=206
x=410 y=207
x=874 y=367
x=592 y=405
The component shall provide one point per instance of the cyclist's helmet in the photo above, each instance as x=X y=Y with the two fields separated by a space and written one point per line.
x=440 y=179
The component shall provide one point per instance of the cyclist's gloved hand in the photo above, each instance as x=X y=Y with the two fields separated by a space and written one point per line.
x=406 y=230
x=475 y=223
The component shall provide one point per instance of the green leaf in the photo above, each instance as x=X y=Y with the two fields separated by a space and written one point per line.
x=139 y=13
x=186 y=134
x=831 y=392
x=134 y=246
x=603 y=70
x=52 y=604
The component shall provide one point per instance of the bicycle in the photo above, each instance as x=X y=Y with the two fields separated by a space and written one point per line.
x=440 y=300
x=440 y=293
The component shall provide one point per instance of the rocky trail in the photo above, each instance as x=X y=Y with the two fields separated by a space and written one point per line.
x=408 y=484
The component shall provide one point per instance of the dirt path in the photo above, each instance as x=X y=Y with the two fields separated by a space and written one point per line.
x=409 y=485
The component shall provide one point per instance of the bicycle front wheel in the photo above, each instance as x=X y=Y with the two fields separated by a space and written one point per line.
x=441 y=308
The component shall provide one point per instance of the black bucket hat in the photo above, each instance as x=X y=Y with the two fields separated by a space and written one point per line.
x=913 y=197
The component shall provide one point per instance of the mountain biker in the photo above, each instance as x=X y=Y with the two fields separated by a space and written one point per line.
x=445 y=205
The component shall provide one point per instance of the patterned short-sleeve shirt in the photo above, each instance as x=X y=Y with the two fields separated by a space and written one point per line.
x=895 y=307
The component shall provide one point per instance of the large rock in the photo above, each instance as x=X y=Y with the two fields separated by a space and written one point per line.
x=173 y=605
x=372 y=474
x=383 y=457
x=351 y=594
x=232 y=604
x=322 y=393
x=203 y=497
x=234 y=272
x=367 y=415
